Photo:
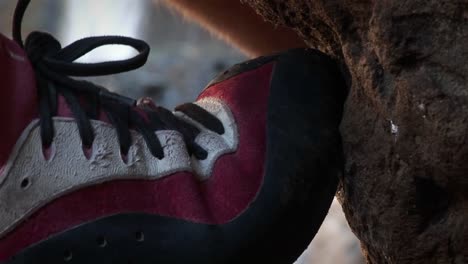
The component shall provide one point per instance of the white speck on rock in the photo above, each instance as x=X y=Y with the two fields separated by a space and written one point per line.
x=393 y=128
x=422 y=107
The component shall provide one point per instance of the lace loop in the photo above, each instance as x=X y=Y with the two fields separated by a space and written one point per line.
x=54 y=65
x=62 y=61
x=45 y=48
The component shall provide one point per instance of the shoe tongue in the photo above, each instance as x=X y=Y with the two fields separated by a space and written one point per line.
x=63 y=109
x=18 y=95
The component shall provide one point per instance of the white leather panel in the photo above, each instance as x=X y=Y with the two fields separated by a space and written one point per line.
x=67 y=169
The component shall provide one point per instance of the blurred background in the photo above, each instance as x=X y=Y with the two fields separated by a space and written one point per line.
x=183 y=59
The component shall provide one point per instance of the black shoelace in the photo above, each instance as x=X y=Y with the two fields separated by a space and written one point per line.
x=54 y=65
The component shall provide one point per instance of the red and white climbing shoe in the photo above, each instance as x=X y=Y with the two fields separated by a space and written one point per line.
x=245 y=174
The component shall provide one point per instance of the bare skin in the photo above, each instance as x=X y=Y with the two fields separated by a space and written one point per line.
x=239 y=25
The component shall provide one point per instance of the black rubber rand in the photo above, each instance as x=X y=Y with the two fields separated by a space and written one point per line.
x=304 y=159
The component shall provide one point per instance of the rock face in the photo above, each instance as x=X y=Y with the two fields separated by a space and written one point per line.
x=405 y=127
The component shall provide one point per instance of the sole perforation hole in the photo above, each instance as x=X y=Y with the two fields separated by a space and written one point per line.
x=139 y=236
x=101 y=241
x=67 y=255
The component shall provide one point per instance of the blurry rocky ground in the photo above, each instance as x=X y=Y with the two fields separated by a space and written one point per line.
x=334 y=243
x=183 y=59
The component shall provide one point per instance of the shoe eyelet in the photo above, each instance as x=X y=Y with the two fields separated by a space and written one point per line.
x=159 y=158
x=48 y=152
x=124 y=157
x=87 y=151
x=131 y=157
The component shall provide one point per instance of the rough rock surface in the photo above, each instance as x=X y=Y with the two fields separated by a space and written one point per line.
x=405 y=127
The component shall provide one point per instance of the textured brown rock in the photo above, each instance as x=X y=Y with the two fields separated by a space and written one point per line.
x=405 y=190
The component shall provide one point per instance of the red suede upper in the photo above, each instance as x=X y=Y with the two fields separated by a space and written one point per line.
x=234 y=183
x=18 y=95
